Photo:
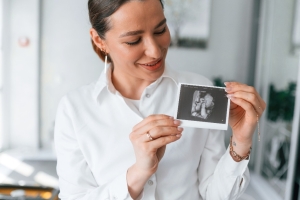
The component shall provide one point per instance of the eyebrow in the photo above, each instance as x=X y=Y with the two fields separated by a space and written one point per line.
x=130 y=33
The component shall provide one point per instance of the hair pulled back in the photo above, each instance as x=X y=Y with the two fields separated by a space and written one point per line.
x=99 y=12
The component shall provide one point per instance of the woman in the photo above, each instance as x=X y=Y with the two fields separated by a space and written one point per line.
x=116 y=139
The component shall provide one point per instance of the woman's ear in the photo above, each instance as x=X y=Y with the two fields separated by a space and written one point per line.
x=100 y=43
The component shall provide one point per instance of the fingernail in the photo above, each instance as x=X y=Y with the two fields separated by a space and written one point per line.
x=229 y=96
x=171 y=117
x=176 y=122
x=226 y=83
x=178 y=135
x=228 y=89
x=179 y=128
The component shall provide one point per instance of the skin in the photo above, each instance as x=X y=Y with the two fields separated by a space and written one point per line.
x=130 y=77
x=245 y=109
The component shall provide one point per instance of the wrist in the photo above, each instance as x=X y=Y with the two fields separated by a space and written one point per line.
x=241 y=147
x=136 y=180
x=244 y=141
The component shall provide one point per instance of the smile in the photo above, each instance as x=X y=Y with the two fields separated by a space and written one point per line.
x=152 y=66
x=153 y=63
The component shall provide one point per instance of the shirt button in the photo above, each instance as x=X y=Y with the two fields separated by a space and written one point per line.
x=150 y=182
x=148 y=95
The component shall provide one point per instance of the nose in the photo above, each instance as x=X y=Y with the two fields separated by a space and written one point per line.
x=152 y=48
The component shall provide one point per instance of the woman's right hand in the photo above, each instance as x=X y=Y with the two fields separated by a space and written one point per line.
x=163 y=130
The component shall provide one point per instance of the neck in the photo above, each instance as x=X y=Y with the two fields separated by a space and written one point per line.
x=129 y=86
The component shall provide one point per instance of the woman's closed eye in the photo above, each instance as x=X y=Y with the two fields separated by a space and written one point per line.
x=162 y=31
x=138 y=40
x=134 y=42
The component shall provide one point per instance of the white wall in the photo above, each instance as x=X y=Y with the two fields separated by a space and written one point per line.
x=68 y=60
x=21 y=73
x=228 y=50
x=1 y=74
x=283 y=62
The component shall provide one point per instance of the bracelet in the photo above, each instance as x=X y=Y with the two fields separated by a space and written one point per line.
x=236 y=157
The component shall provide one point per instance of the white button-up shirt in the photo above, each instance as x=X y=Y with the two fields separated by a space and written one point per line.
x=93 y=149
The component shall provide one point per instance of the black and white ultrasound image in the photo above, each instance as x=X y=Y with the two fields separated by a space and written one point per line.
x=201 y=103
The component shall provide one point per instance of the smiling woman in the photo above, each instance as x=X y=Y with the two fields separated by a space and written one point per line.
x=101 y=25
x=112 y=135
x=136 y=40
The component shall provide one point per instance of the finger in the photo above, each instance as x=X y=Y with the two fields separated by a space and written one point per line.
x=168 y=122
x=149 y=119
x=249 y=97
x=155 y=144
x=251 y=115
x=233 y=105
x=158 y=132
x=232 y=87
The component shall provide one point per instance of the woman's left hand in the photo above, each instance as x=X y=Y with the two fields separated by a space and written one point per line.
x=245 y=109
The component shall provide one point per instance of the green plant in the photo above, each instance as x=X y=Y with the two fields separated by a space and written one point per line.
x=281 y=103
x=218 y=81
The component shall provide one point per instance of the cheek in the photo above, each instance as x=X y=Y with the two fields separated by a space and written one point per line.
x=123 y=53
x=166 y=39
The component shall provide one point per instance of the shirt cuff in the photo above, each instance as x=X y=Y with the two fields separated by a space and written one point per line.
x=232 y=167
x=118 y=188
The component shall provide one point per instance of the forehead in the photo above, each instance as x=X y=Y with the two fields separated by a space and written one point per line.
x=137 y=14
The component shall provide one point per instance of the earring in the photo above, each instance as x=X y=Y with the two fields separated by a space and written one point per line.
x=105 y=63
x=105 y=60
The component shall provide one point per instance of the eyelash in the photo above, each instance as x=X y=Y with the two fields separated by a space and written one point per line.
x=138 y=41
x=133 y=43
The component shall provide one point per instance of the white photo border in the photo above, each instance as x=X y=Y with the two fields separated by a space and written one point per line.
x=200 y=124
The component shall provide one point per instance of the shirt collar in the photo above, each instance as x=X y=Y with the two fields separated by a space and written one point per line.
x=104 y=81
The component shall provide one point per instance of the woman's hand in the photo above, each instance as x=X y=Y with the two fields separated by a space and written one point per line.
x=163 y=130
x=149 y=149
x=246 y=108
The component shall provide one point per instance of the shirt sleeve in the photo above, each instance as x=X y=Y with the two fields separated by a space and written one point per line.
x=76 y=180
x=220 y=177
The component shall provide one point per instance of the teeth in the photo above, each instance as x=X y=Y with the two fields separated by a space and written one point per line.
x=152 y=64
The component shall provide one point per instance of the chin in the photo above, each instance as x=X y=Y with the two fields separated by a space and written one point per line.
x=155 y=74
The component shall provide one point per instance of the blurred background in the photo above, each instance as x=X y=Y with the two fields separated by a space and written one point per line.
x=45 y=51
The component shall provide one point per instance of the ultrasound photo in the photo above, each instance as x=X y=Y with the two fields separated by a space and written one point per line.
x=202 y=106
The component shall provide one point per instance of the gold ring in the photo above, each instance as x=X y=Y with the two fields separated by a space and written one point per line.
x=149 y=136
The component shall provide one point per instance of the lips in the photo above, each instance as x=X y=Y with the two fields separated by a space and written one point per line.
x=152 y=66
x=152 y=63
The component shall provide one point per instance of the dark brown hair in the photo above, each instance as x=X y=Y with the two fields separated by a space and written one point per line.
x=99 y=11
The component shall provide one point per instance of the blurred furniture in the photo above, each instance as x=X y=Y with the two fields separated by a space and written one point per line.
x=17 y=192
